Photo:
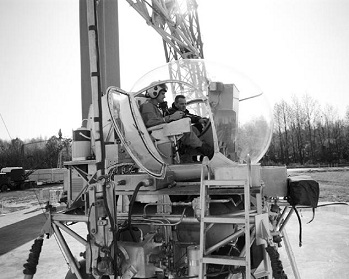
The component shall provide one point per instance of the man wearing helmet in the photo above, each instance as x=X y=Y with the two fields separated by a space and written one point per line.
x=150 y=111
x=152 y=116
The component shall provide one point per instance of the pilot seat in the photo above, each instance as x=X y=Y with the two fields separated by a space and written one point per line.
x=166 y=136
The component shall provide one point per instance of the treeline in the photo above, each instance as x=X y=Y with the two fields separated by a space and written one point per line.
x=307 y=134
x=35 y=154
x=304 y=134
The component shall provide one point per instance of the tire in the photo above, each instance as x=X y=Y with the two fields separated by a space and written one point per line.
x=4 y=188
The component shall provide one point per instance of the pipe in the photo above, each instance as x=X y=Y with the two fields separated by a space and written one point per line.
x=67 y=252
x=224 y=241
x=286 y=220
x=71 y=232
x=290 y=254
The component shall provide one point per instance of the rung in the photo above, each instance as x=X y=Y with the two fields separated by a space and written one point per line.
x=226 y=220
x=232 y=183
x=224 y=260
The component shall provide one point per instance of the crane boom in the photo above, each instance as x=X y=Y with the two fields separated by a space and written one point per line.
x=177 y=23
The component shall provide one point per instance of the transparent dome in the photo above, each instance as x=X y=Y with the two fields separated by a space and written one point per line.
x=240 y=111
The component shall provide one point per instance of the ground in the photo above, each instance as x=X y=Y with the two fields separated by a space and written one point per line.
x=334 y=187
x=324 y=254
x=35 y=198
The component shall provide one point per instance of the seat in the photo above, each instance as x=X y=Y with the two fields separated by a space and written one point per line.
x=166 y=137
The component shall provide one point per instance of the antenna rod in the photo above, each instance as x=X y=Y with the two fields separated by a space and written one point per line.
x=6 y=127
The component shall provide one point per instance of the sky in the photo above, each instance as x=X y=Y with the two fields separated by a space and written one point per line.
x=287 y=47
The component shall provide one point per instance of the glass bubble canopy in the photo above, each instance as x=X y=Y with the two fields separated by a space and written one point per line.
x=239 y=109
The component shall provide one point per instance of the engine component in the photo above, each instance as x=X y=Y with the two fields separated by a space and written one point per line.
x=193 y=260
x=143 y=258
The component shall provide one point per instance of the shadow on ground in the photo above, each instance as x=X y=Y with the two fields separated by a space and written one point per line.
x=20 y=233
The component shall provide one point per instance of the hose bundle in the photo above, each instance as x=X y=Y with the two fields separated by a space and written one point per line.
x=33 y=259
x=276 y=264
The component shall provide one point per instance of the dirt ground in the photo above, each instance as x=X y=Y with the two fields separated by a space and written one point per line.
x=34 y=198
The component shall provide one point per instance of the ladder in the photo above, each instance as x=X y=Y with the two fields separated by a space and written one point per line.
x=206 y=220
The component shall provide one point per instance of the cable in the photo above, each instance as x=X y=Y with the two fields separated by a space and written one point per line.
x=6 y=127
x=132 y=201
x=106 y=207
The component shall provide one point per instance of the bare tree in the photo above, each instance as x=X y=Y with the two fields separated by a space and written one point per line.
x=306 y=133
x=311 y=111
x=298 y=119
x=278 y=127
x=285 y=113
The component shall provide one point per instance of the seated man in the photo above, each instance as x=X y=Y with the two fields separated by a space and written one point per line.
x=152 y=116
x=180 y=104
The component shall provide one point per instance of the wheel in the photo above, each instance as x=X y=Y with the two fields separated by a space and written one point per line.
x=4 y=188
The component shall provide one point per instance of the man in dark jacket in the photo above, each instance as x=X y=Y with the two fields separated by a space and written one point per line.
x=180 y=104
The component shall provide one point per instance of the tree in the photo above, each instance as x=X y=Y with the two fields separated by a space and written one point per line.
x=279 y=129
x=304 y=133
x=53 y=148
x=311 y=111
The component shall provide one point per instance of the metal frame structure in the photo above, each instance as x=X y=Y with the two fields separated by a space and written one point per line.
x=181 y=35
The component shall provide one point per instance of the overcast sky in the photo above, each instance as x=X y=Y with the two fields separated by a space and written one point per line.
x=286 y=47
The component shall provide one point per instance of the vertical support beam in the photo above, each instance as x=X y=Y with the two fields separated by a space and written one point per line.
x=109 y=50
x=86 y=95
x=96 y=85
x=203 y=213
x=108 y=34
x=247 y=206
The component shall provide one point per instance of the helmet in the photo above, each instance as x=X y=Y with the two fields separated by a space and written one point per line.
x=153 y=92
